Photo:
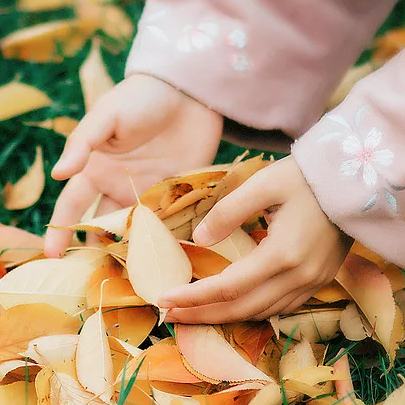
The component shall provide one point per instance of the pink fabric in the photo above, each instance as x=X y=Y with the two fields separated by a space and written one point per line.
x=354 y=160
x=265 y=63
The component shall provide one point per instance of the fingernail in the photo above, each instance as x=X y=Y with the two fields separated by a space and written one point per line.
x=171 y=319
x=165 y=303
x=202 y=235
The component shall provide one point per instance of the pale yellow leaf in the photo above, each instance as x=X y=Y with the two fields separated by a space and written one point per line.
x=43 y=387
x=94 y=78
x=119 y=345
x=351 y=324
x=18 y=393
x=60 y=125
x=19 y=98
x=41 y=43
x=42 y=5
x=269 y=395
x=237 y=245
x=61 y=283
x=94 y=364
x=28 y=189
x=20 y=370
x=156 y=262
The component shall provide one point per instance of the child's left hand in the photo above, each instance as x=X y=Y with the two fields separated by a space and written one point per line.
x=302 y=252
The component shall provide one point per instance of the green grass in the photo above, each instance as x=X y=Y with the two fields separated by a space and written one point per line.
x=61 y=83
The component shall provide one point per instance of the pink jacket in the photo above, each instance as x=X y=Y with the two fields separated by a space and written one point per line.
x=272 y=64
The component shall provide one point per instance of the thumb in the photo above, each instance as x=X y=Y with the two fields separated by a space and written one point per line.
x=95 y=128
x=259 y=192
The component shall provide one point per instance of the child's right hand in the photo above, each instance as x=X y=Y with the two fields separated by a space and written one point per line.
x=143 y=124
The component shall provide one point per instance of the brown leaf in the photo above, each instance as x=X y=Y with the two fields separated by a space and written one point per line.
x=19 y=98
x=17 y=370
x=23 y=323
x=28 y=189
x=40 y=43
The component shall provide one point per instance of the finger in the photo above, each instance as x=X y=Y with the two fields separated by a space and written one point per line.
x=244 y=308
x=262 y=190
x=75 y=198
x=94 y=129
x=304 y=297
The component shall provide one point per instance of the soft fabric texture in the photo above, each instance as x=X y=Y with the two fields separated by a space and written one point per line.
x=272 y=64
x=354 y=160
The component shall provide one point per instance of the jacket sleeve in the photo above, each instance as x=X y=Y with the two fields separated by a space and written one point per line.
x=354 y=161
x=267 y=64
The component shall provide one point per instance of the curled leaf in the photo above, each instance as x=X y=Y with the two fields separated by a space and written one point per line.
x=352 y=324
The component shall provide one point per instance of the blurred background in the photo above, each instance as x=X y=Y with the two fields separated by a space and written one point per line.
x=43 y=44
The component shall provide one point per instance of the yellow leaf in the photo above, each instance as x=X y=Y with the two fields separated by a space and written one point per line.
x=20 y=370
x=42 y=386
x=94 y=364
x=40 y=43
x=269 y=395
x=60 y=125
x=351 y=324
x=19 y=98
x=42 y=5
x=23 y=323
x=156 y=262
x=18 y=393
x=61 y=283
x=28 y=189
x=237 y=245
x=215 y=360
x=94 y=78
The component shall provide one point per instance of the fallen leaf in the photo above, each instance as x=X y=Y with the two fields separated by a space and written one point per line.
x=43 y=387
x=19 y=98
x=131 y=325
x=388 y=45
x=123 y=347
x=364 y=281
x=269 y=395
x=398 y=396
x=269 y=361
x=332 y=292
x=17 y=370
x=61 y=125
x=58 y=282
x=253 y=337
x=258 y=235
x=204 y=261
x=42 y=5
x=344 y=388
x=23 y=323
x=41 y=43
x=18 y=393
x=94 y=78
x=237 y=245
x=314 y=326
x=216 y=360
x=153 y=247
x=94 y=364
x=28 y=189
x=351 y=324
x=17 y=245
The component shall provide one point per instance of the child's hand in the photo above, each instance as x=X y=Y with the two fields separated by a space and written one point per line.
x=302 y=252
x=144 y=125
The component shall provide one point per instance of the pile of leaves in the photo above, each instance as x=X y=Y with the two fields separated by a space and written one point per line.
x=85 y=329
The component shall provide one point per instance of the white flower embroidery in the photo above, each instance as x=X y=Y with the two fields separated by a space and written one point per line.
x=237 y=38
x=240 y=62
x=197 y=38
x=158 y=33
x=366 y=156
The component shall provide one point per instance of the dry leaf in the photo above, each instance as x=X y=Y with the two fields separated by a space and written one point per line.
x=253 y=337
x=58 y=282
x=269 y=361
x=43 y=5
x=351 y=324
x=389 y=45
x=237 y=245
x=205 y=262
x=18 y=393
x=269 y=395
x=314 y=326
x=17 y=370
x=153 y=247
x=61 y=125
x=398 y=396
x=122 y=347
x=216 y=360
x=364 y=281
x=316 y=374
x=41 y=43
x=19 y=98
x=332 y=292
x=23 y=323
x=43 y=387
x=28 y=189
x=17 y=245
x=131 y=325
x=94 y=364
x=94 y=78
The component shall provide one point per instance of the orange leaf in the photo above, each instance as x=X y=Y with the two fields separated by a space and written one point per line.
x=253 y=337
x=23 y=323
x=131 y=325
x=389 y=45
x=332 y=292
x=364 y=281
x=205 y=262
x=215 y=360
x=28 y=189
x=258 y=235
